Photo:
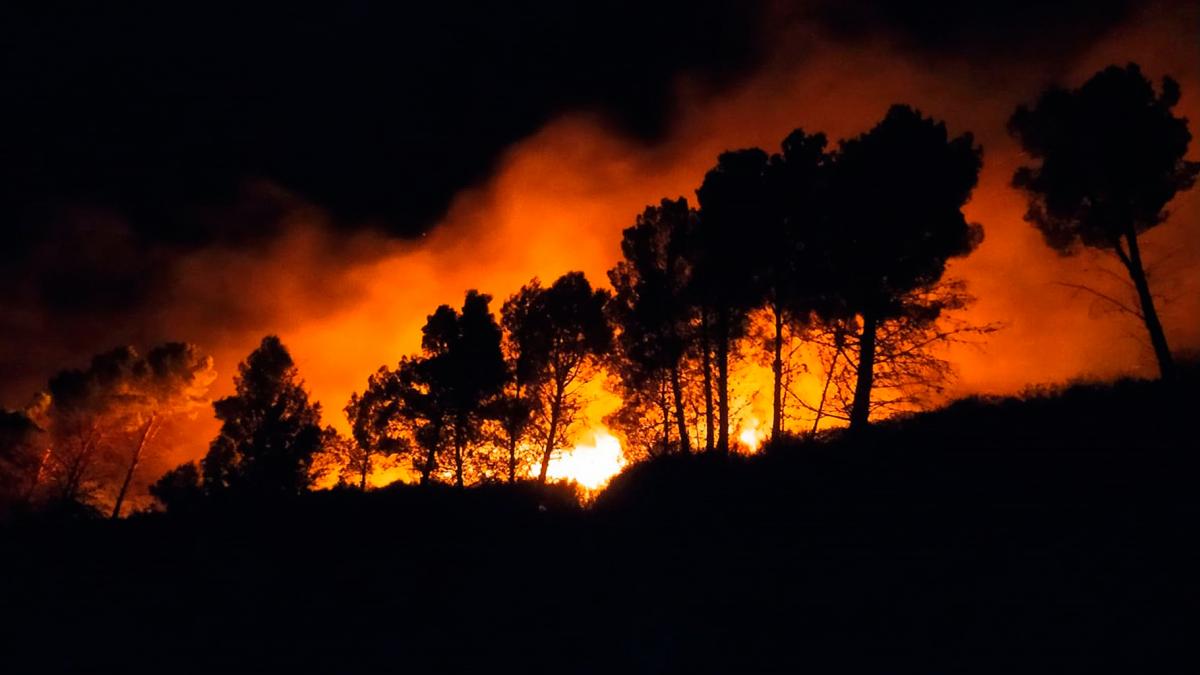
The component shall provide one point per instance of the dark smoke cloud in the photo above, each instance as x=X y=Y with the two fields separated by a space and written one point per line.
x=383 y=111
x=375 y=110
x=989 y=30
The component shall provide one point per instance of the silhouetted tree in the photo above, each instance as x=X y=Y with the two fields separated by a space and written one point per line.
x=1111 y=157
x=20 y=459
x=514 y=407
x=341 y=461
x=895 y=218
x=465 y=368
x=103 y=419
x=373 y=425
x=269 y=428
x=398 y=413
x=704 y=346
x=908 y=371
x=735 y=206
x=646 y=414
x=77 y=427
x=561 y=331
x=650 y=302
x=512 y=411
x=830 y=340
x=792 y=268
x=179 y=489
x=172 y=379
x=445 y=394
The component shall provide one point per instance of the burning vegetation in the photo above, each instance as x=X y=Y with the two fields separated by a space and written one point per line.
x=805 y=288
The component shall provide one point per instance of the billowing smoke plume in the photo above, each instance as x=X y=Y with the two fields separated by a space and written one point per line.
x=346 y=300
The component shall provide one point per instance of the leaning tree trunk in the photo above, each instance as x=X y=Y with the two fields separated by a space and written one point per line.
x=133 y=464
x=706 y=359
x=837 y=347
x=860 y=411
x=75 y=467
x=685 y=445
x=723 y=381
x=1158 y=339
x=555 y=413
x=777 y=371
x=37 y=475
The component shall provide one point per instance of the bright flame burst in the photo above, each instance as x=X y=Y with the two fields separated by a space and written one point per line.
x=750 y=436
x=589 y=465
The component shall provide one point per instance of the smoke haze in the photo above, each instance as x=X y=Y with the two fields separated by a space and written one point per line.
x=348 y=298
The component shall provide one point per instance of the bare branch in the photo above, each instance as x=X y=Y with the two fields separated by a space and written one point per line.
x=1117 y=303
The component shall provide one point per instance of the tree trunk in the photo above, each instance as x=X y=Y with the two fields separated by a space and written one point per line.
x=366 y=469
x=723 y=381
x=1158 y=339
x=777 y=371
x=37 y=475
x=664 y=407
x=513 y=432
x=837 y=344
x=76 y=466
x=133 y=464
x=860 y=411
x=706 y=359
x=685 y=445
x=512 y=457
x=555 y=412
x=459 y=431
x=431 y=456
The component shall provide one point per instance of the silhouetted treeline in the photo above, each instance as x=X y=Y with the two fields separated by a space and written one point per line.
x=1051 y=532
x=1048 y=532
x=851 y=240
x=824 y=263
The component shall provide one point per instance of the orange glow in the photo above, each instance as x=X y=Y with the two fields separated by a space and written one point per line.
x=750 y=436
x=558 y=200
x=591 y=465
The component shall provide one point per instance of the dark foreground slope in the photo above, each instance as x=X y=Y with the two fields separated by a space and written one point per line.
x=1053 y=534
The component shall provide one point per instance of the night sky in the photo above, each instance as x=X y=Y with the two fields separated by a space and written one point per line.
x=150 y=148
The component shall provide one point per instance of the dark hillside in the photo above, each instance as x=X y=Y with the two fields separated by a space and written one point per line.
x=1054 y=533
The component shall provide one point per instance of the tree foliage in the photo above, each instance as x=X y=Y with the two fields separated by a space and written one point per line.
x=103 y=420
x=735 y=209
x=179 y=489
x=794 y=267
x=561 y=332
x=270 y=431
x=436 y=402
x=650 y=308
x=1110 y=157
x=21 y=458
x=464 y=368
x=895 y=219
x=373 y=417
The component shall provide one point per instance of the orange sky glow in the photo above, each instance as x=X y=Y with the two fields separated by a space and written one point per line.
x=559 y=200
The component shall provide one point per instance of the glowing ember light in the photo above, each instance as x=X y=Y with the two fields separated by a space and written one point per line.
x=589 y=465
x=750 y=437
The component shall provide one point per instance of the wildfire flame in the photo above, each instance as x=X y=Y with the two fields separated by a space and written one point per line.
x=590 y=465
x=750 y=436
x=559 y=199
